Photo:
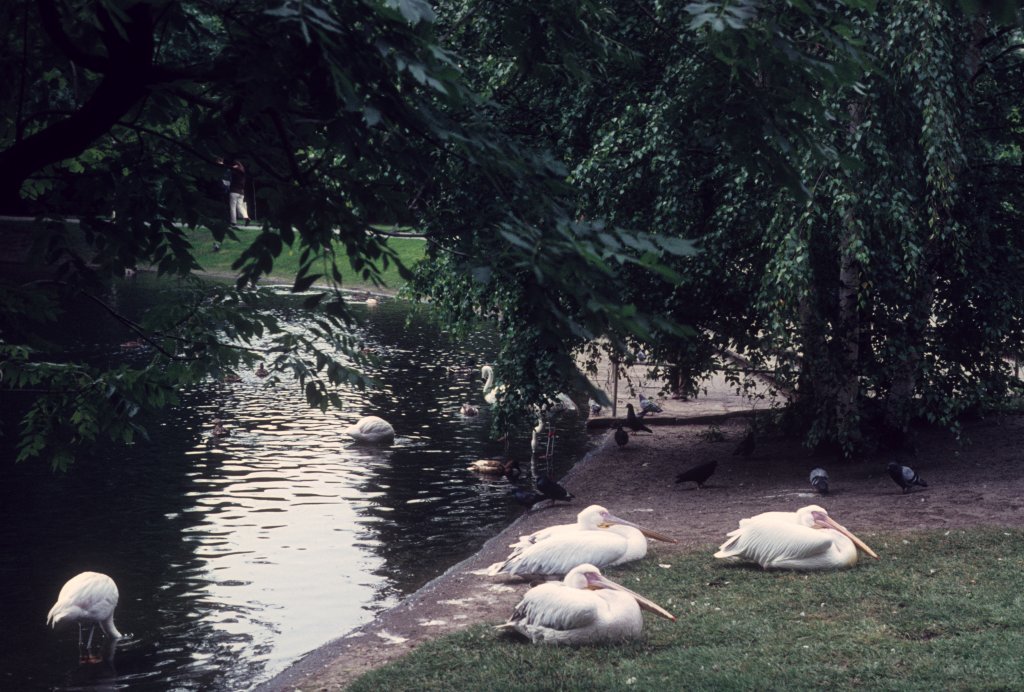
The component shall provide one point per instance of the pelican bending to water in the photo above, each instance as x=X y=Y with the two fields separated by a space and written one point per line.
x=584 y=608
x=89 y=597
x=807 y=539
x=598 y=538
x=371 y=429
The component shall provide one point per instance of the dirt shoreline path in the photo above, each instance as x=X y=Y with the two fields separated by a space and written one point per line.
x=978 y=481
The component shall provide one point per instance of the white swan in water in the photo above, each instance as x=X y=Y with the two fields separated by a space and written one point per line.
x=491 y=393
x=371 y=429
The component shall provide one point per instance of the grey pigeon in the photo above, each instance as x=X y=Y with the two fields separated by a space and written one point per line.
x=819 y=480
x=648 y=406
x=905 y=476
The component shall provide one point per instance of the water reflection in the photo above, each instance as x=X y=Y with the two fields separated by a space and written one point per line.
x=236 y=555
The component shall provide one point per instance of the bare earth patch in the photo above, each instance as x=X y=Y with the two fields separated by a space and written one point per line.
x=976 y=482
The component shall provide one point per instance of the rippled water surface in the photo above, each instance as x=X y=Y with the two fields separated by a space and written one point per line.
x=235 y=556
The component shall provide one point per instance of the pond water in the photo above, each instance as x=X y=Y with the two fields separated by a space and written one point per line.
x=235 y=556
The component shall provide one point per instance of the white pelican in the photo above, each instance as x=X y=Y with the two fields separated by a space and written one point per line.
x=371 y=429
x=89 y=597
x=583 y=608
x=598 y=537
x=807 y=539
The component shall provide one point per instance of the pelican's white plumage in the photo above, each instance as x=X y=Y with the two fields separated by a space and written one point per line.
x=584 y=608
x=807 y=539
x=371 y=429
x=598 y=538
x=87 y=598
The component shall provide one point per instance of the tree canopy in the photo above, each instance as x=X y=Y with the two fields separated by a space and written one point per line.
x=850 y=173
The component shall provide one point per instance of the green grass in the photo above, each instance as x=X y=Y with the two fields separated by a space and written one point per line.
x=409 y=250
x=938 y=612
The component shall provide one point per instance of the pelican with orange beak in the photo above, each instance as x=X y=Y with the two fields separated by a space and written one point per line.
x=807 y=539
x=597 y=538
x=584 y=608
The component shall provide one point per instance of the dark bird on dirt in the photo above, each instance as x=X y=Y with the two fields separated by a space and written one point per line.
x=648 y=406
x=819 y=480
x=551 y=489
x=621 y=436
x=746 y=446
x=699 y=474
x=526 y=498
x=905 y=476
x=634 y=423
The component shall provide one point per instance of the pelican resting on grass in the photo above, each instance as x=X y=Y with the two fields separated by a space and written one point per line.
x=87 y=598
x=371 y=429
x=807 y=539
x=584 y=608
x=598 y=538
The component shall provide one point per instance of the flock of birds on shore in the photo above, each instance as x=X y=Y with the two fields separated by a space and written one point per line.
x=582 y=605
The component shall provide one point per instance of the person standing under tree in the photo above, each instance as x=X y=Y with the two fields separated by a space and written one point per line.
x=236 y=193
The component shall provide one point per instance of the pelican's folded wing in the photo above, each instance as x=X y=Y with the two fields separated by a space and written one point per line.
x=558 y=607
x=560 y=553
x=773 y=543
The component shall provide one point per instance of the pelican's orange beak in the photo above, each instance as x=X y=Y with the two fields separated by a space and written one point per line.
x=599 y=581
x=647 y=532
x=825 y=521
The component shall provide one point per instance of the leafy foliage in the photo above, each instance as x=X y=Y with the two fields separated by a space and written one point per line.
x=346 y=115
x=837 y=167
x=847 y=171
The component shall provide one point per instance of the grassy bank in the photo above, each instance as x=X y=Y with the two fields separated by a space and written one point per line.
x=939 y=611
x=410 y=250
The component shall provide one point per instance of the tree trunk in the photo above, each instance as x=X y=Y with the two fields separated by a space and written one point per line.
x=848 y=340
x=127 y=71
